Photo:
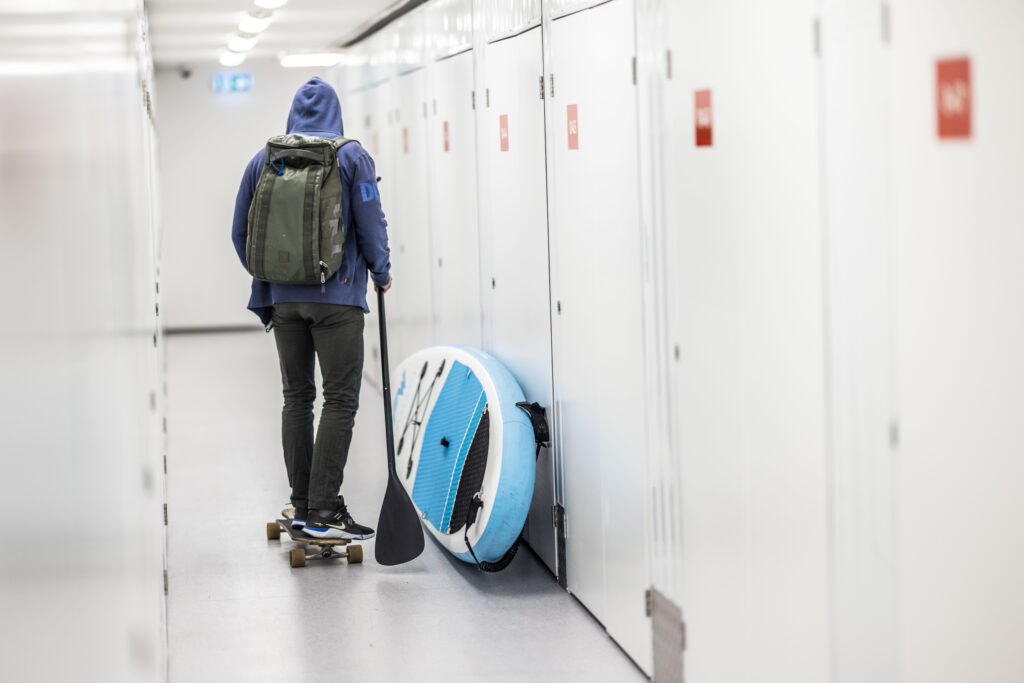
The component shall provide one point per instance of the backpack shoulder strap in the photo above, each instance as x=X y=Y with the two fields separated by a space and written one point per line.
x=341 y=141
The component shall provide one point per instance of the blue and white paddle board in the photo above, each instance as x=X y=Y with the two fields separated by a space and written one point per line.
x=458 y=432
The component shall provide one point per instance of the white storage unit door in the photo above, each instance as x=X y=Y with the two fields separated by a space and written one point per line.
x=960 y=250
x=746 y=315
x=598 y=326
x=453 y=209
x=404 y=193
x=514 y=268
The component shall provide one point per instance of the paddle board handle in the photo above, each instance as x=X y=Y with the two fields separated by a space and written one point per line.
x=385 y=378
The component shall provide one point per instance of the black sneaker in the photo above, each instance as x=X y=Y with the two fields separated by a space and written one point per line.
x=337 y=523
x=299 y=520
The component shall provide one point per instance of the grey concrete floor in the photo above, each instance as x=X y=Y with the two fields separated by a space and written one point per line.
x=238 y=612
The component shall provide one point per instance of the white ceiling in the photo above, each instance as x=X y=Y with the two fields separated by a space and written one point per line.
x=191 y=32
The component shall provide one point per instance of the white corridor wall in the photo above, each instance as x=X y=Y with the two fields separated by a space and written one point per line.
x=207 y=139
x=80 y=351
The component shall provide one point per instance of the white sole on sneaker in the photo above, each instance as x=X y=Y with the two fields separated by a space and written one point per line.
x=331 y=532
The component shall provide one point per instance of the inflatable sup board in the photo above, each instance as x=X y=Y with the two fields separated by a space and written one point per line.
x=459 y=433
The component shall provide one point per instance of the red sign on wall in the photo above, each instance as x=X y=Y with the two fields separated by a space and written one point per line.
x=953 y=97
x=702 y=117
x=503 y=127
x=574 y=127
x=446 y=145
x=405 y=140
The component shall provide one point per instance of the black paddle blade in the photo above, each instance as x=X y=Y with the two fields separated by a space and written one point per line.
x=399 y=532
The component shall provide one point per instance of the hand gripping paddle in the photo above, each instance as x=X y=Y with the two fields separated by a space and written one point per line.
x=399 y=532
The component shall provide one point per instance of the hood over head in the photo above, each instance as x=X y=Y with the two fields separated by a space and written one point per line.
x=315 y=110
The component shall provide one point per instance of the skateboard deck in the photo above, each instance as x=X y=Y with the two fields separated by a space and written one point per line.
x=325 y=547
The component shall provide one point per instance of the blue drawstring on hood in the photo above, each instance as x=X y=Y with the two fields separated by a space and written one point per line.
x=315 y=110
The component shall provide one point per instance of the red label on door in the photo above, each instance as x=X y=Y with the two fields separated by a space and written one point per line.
x=702 y=117
x=574 y=127
x=446 y=146
x=503 y=126
x=953 y=97
x=405 y=140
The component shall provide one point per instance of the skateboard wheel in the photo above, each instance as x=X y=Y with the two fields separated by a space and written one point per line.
x=355 y=554
x=273 y=531
x=297 y=558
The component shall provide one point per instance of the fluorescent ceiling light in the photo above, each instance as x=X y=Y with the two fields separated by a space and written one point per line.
x=231 y=58
x=311 y=59
x=251 y=24
x=270 y=4
x=240 y=44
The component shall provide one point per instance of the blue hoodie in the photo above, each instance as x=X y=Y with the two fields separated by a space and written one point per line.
x=317 y=111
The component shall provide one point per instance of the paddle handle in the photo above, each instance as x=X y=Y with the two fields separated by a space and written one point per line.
x=385 y=378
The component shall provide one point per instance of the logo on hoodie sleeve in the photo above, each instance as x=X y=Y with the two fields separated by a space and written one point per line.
x=369 y=192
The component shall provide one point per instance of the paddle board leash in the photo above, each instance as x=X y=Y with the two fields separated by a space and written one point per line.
x=542 y=436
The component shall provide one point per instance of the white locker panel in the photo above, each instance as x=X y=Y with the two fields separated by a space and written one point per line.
x=860 y=243
x=746 y=318
x=960 y=218
x=453 y=209
x=404 y=196
x=597 y=327
x=514 y=240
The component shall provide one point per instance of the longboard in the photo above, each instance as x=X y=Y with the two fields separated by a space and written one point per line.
x=297 y=557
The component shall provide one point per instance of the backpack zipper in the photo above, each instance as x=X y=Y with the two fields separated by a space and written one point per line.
x=323 y=277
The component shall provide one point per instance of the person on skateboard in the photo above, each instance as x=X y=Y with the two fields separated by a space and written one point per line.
x=322 y=321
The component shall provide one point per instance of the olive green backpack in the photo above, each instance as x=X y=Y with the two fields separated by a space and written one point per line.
x=296 y=230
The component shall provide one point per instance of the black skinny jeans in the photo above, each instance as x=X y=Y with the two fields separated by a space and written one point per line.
x=334 y=334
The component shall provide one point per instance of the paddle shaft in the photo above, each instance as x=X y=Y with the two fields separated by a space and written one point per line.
x=385 y=374
x=399 y=532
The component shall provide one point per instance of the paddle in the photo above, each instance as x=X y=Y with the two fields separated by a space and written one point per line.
x=399 y=533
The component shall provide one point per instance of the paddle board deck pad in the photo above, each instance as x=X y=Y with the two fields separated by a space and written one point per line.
x=459 y=433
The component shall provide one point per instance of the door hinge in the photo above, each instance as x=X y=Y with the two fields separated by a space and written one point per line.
x=668 y=64
x=165 y=582
x=668 y=632
x=817 y=37
x=487 y=97
x=472 y=99
x=558 y=520
x=165 y=514
x=551 y=78
x=542 y=87
x=424 y=110
x=558 y=514
x=634 y=70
